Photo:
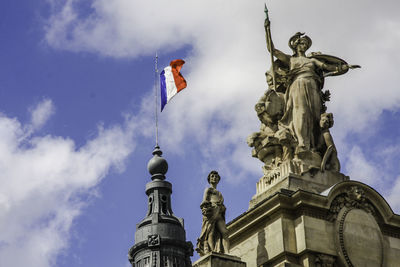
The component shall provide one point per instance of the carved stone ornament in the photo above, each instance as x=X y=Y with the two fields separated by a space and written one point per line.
x=153 y=240
x=359 y=240
x=353 y=198
x=155 y=259
x=324 y=260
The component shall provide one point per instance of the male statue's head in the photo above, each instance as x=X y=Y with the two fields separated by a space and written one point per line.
x=269 y=78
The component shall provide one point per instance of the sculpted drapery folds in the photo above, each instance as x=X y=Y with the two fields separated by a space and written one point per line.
x=290 y=111
x=213 y=237
x=303 y=94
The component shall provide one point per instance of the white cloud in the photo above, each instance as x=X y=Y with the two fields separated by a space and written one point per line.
x=359 y=168
x=41 y=113
x=379 y=170
x=394 y=197
x=42 y=181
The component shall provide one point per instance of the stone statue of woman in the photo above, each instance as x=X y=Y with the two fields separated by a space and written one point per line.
x=303 y=98
x=213 y=237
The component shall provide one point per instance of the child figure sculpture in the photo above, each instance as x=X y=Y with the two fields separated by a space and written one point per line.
x=330 y=160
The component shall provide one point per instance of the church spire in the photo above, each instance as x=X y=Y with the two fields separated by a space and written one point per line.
x=160 y=238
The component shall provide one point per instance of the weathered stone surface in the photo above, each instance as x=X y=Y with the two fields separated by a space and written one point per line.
x=392 y=251
x=287 y=179
x=353 y=223
x=359 y=238
x=214 y=259
x=314 y=234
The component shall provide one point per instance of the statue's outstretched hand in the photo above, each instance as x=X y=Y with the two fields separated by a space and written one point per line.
x=346 y=67
x=354 y=66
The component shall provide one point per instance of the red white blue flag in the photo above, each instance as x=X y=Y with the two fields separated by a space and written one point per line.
x=171 y=81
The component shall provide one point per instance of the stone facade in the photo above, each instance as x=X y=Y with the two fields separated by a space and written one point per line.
x=351 y=225
x=214 y=259
x=315 y=182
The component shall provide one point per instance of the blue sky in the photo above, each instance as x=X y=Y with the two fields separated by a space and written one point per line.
x=77 y=112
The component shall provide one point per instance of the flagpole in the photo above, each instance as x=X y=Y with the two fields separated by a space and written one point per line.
x=156 y=94
x=269 y=41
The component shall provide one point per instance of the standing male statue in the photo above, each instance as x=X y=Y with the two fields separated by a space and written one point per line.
x=213 y=237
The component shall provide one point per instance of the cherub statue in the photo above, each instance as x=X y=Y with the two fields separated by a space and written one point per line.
x=214 y=235
x=330 y=160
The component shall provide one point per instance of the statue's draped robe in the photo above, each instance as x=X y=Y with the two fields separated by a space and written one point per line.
x=211 y=216
x=303 y=102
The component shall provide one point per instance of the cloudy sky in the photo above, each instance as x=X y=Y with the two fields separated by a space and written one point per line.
x=77 y=112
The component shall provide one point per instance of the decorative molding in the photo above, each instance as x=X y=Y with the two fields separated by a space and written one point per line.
x=353 y=198
x=325 y=260
x=153 y=240
x=311 y=212
x=390 y=231
x=341 y=237
x=154 y=259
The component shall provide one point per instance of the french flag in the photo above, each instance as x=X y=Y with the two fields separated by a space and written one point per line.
x=171 y=81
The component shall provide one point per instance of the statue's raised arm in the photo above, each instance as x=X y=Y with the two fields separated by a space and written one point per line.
x=270 y=45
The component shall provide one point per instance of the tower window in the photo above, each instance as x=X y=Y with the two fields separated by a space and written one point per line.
x=150 y=205
x=165 y=261
x=164 y=204
x=146 y=262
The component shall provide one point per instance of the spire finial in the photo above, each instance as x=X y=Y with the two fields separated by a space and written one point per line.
x=157 y=165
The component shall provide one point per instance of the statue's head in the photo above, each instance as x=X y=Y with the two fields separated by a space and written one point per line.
x=214 y=174
x=270 y=81
x=299 y=42
x=326 y=121
x=272 y=109
x=356 y=193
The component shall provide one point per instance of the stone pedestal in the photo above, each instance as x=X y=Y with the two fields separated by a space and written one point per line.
x=219 y=260
x=287 y=177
